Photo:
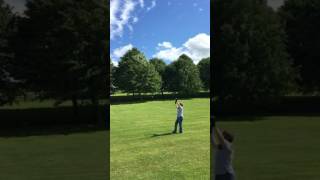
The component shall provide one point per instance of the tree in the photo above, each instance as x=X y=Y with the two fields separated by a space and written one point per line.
x=62 y=49
x=251 y=60
x=111 y=72
x=8 y=84
x=160 y=67
x=182 y=76
x=204 y=70
x=135 y=74
x=302 y=25
x=150 y=80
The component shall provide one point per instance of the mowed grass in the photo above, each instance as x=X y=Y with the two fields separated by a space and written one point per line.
x=58 y=153
x=79 y=156
x=276 y=148
x=142 y=149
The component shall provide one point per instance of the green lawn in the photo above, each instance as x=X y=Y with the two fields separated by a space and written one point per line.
x=79 y=156
x=139 y=151
x=276 y=148
x=51 y=153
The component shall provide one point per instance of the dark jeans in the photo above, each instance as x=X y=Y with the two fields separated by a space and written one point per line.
x=226 y=176
x=178 y=121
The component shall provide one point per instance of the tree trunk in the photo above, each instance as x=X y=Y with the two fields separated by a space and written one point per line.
x=95 y=109
x=75 y=106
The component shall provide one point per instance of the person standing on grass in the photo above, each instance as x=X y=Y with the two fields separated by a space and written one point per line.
x=179 y=119
x=222 y=141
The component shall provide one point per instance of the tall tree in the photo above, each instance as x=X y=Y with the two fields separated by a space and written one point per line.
x=182 y=76
x=8 y=85
x=301 y=19
x=111 y=72
x=204 y=70
x=160 y=67
x=62 y=49
x=251 y=60
x=135 y=74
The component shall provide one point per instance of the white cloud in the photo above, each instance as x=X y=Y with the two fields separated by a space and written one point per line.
x=119 y=52
x=135 y=20
x=165 y=44
x=120 y=13
x=153 y=4
x=115 y=63
x=170 y=54
x=141 y=3
x=196 y=48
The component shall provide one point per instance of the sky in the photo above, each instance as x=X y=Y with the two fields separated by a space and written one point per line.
x=275 y=3
x=18 y=5
x=160 y=28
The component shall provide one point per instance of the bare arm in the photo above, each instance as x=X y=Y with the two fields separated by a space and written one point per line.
x=217 y=135
x=177 y=103
x=213 y=139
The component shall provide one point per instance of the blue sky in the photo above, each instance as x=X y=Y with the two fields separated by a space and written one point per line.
x=160 y=28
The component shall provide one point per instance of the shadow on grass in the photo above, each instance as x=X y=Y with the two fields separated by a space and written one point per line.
x=47 y=131
x=163 y=134
x=116 y=100
x=49 y=121
x=240 y=118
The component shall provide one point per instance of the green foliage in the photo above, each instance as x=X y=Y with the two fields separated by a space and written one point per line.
x=8 y=85
x=111 y=77
x=251 y=61
x=204 y=70
x=136 y=75
x=182 y=76
x=61 y=48
x=160 y=67
x=301 y=19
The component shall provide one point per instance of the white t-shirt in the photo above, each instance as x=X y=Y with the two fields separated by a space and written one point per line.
x=223 y=159
x=179 y=111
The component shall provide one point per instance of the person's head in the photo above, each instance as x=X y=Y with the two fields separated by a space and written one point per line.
x=181 y=104
x=228 y=136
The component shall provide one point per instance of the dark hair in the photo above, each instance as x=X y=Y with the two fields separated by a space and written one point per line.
x=228 y=136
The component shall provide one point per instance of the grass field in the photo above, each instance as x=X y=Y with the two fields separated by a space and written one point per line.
x=51 y=153
x=79 y=156
x=142 y=148
x=276 y=148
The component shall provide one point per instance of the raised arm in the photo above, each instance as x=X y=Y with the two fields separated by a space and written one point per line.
x=218 y=135
x=177 y=103
x=213 y=139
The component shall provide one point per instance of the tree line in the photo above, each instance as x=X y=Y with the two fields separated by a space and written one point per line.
x=262 y=53
x=135 y=75
x=56 y=49
x=59 y=49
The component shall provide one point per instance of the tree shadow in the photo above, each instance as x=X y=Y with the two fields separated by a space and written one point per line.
x=53 y=120
x=115 y=100
x=163 y=134
x=47 y=131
